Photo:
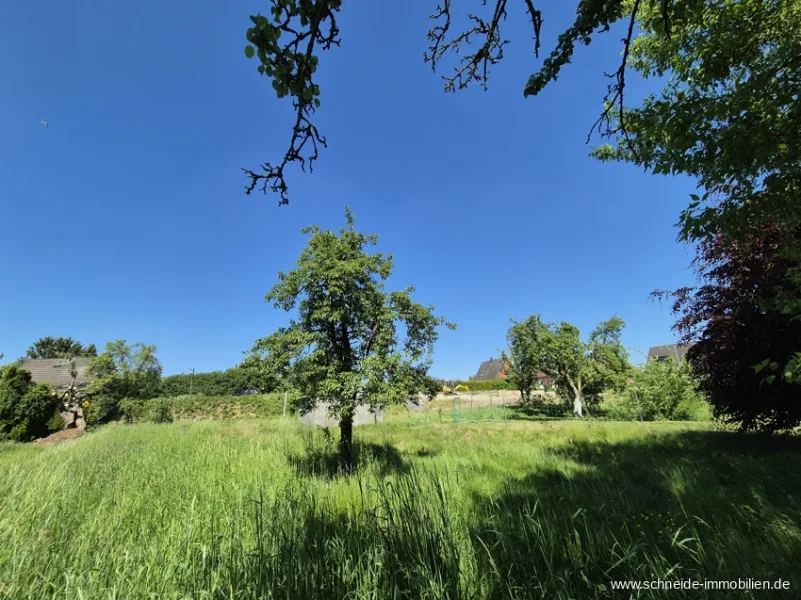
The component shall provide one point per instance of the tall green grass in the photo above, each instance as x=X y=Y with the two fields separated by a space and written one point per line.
x=255 y=509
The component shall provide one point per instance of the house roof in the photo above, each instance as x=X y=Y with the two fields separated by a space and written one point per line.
x=492 y=369
x=489 y=369
x=676 y=351
x=56 y=371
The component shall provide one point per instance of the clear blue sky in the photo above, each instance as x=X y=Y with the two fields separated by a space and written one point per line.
x=126 y=217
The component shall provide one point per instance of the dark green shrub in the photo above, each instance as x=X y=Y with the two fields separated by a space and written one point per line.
x=56 y=423
x=162 y=412
x=19 y=433
x=133 y=410
x=25 y=407
x=101 y=409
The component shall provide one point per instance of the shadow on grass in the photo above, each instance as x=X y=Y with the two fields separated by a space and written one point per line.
x=322 y=460
x=670 y=506
x=698 y=505
x=538 y=411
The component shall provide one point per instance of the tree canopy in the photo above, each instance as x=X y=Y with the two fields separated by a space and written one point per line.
x=525 y=354
x=582 y=370
x=59 y=347
x=122 y=371
x=352 y=343
x=728 y=115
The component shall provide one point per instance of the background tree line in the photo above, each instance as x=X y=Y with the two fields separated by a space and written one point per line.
x=122 y=373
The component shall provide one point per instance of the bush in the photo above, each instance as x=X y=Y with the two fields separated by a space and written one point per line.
x=19 y=433
x=56 y=423
x=162 y=413
x=133 y=410
x=665 y=390
x=738 y=324
x=25 y=407
x=620 y=407
x=101 y=409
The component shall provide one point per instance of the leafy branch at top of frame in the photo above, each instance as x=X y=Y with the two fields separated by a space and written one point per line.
x=312 y=23
x=285 y=47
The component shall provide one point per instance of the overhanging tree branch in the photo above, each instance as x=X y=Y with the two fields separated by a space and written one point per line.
x=311 y=24
x=475 y=66
x=291 y=67
x=612 y=120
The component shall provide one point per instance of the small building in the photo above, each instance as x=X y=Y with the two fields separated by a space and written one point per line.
x=57 y=371
x=674 y=351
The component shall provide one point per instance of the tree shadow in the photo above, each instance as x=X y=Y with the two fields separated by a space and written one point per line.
x=302 y=546
x=322 y=460
x=699 y=505
x=672 y=506
x=539 y=411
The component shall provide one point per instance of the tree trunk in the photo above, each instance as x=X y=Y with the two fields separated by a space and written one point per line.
x=346 y=443
x=577 y=406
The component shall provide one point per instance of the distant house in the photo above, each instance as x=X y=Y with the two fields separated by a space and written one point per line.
x=494 y=368
x=497 y=368
x=674 y=351
x=56 y=371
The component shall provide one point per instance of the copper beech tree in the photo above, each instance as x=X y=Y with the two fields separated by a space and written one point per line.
x=734 y=320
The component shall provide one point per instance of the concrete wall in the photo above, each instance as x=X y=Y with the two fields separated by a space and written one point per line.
x=319 y=416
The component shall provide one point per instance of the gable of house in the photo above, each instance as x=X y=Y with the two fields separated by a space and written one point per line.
x=674 y=351
x=494 y=368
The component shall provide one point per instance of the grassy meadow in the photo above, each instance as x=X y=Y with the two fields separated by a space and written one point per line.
x=253 y=508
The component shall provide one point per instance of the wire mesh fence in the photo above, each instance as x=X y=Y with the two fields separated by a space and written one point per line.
x=491 y=406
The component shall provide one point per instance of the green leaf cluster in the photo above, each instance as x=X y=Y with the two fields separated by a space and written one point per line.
x=526 y=353
x=291 y=65
x=26 y=408
x=728 y=115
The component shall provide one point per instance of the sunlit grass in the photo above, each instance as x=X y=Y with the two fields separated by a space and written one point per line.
x=255 y=508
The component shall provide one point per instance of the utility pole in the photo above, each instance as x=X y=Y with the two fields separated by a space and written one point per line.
x=191 y=381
